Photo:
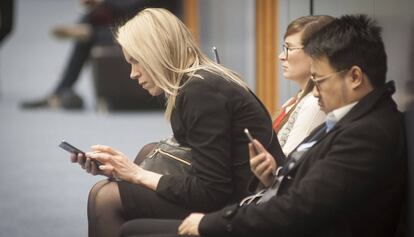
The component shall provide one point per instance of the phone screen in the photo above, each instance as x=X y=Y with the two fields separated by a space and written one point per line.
x=70 y=148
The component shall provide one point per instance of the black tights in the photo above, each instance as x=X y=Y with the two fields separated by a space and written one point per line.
x=105 y=212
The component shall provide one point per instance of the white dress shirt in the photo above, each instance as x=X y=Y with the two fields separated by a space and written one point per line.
x=337 y=114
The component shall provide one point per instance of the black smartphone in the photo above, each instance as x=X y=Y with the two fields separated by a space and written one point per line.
x=72 y=149
x=250 y=137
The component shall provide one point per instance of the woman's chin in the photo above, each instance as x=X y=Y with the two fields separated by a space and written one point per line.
x=155 y=92
x=287 y=76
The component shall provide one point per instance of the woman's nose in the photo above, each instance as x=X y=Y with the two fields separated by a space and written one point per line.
x=134 y=74
x=282 y=56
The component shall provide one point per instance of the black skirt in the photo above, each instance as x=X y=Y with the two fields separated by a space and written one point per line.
x=141 y=202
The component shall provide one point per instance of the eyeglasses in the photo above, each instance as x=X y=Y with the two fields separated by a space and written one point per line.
x=286 y=50
x=317 y=81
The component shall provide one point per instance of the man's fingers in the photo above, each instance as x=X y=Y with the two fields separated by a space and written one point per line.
x=252 y=152
x=259 y=146
x=268 y=171
x=255 y=161
x=262 y=167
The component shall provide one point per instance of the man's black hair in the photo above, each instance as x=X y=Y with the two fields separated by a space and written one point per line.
x=351 y=40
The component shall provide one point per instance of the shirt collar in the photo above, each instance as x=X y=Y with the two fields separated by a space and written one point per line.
x=339 y=113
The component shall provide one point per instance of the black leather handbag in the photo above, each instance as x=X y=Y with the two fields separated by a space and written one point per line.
x=168 y=157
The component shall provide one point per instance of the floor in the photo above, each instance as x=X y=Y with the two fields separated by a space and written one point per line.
x=41 y=192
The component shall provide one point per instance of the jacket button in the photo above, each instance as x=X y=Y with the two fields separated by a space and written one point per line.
x=228 y=213
x=229 y=228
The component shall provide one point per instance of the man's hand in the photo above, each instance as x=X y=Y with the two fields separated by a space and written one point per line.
x=263 y=165
x=190 y=224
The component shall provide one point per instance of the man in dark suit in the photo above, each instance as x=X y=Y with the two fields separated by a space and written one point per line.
x=348 y=177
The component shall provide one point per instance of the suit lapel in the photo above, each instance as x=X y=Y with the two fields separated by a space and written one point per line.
x=296 y=157
x=365 y=105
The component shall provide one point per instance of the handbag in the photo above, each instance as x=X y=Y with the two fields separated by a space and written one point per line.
x=168 y=157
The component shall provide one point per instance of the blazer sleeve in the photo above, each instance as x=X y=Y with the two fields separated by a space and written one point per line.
x=206 y=115
x=362 y=163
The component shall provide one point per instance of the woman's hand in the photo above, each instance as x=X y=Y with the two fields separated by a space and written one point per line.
x=119 y=166
x=114 y=162
x=88 y=165
x=190 y=224
x=263 y=165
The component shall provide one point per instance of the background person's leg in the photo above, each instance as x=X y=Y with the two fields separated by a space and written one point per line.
x=63 y=95
x=80 y=55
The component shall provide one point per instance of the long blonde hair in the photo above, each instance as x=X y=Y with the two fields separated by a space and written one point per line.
x=165 y=48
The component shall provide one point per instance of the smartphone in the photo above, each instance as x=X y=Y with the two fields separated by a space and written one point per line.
x=72 y=149
x=250 y=137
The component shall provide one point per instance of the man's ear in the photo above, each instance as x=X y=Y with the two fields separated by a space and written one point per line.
x=357 y=77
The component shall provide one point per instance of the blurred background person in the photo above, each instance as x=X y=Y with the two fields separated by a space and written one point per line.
x=6 y=18
x=94 y=28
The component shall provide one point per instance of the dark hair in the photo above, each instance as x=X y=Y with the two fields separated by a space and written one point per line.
x=351 y=40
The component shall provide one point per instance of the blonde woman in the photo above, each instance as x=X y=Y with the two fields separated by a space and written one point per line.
x=301 y=113
x=208 y=106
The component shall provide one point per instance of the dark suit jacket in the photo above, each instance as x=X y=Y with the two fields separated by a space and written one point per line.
x=350 y=183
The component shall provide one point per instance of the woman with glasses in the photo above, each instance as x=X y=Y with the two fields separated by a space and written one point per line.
x=301 y=113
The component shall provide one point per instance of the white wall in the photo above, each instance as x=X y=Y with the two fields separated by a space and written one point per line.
x=230 y=26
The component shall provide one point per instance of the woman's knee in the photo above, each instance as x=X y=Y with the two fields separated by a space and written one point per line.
x=96 y=188
x=105 y=194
